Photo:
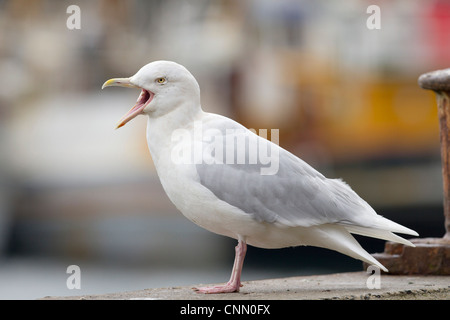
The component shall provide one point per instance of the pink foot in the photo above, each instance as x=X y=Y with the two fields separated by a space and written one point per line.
x=227 y=288
x=235 y=280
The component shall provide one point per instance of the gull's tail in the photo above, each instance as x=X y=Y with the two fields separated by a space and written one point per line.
x=339 y=238
x=380 y=234
x=382 y=228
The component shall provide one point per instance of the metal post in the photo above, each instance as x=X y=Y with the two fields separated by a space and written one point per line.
x=430 y=255
x=439 y=82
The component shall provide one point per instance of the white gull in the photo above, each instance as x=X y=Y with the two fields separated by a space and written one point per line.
x=230 y=189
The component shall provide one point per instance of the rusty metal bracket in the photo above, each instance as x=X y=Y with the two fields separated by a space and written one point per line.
x=430 y=255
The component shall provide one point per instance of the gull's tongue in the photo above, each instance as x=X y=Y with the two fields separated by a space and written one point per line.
x=144 y=99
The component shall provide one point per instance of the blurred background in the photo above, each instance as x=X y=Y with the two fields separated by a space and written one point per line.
x=75 y=191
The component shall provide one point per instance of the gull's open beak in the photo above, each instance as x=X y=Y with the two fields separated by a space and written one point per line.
x=144 y=99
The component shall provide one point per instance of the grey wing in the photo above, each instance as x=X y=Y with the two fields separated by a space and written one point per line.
x=295 y=195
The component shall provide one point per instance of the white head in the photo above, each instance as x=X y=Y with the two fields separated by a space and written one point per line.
x=165 y=86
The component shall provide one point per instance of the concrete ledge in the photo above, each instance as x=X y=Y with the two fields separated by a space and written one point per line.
x=334 y=286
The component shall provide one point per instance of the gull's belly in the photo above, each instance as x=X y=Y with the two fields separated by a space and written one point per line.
x=201 y=206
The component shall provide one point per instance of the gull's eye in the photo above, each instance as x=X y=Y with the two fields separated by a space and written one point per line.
x=161 y=80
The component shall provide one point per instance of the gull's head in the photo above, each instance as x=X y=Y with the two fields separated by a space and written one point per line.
x=165 y=86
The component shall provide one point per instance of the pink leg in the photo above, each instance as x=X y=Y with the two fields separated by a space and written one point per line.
x=235 y=280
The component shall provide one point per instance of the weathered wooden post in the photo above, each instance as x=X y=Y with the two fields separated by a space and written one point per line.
x=431 y=255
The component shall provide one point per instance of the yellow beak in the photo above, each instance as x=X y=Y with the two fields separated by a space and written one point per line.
x=119 y=82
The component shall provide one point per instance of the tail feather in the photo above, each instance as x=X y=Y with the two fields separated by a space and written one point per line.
x=378 y=233
x=338 y=238
x=386 y=224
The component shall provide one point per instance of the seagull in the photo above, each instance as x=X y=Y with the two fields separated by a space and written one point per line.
x=233 y=182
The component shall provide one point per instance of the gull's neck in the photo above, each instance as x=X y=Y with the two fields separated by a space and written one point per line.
x=160 y=129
